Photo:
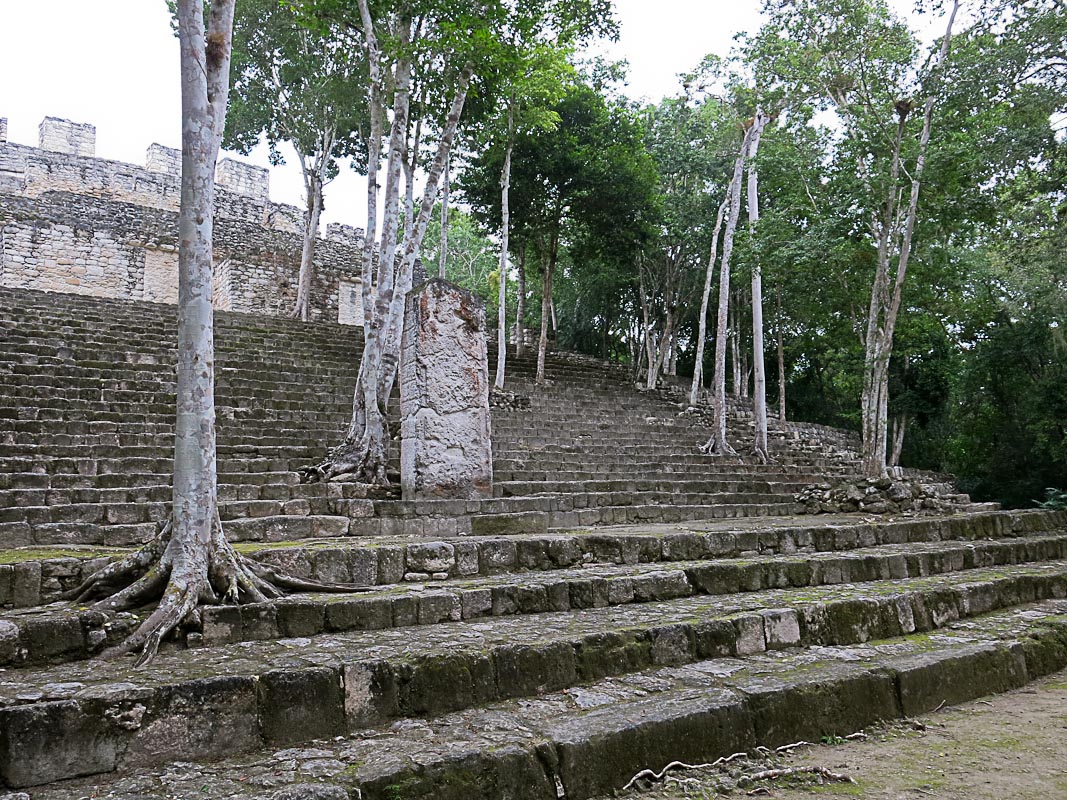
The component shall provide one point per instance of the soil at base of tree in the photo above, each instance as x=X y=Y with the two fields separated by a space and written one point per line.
x=1005 y=747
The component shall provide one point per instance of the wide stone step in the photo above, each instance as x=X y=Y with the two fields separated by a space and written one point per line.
x=580 y=742
x=34 y=576
x=679 y=485
x=495 y=587
x=83 y=718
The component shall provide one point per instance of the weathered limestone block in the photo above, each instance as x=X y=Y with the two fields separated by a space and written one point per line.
x=164 y=159
x=79 y=224
x=243 y=179
x=345 y=233
x=64 y=136
x=444 y=396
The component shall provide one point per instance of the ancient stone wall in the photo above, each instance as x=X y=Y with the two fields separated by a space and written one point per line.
x=71 y=222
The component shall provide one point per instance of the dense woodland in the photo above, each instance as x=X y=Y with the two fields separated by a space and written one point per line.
x=903 y=208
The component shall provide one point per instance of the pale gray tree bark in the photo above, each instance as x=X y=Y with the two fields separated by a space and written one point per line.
x=314 y=173
x=190 y=561
x=443 y=255
x=363 y=453
x=718 y=443
x=702 y=324
x=548 y=270
x=520 y=303
x=887 y=290
x=759 y=387
x=505 y=230
x=900 y=425
x=781 y=366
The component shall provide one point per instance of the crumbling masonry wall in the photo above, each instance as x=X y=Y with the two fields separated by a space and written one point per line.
x=71 y=222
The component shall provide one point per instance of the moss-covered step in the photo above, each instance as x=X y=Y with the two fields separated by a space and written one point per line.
x=89 y=717
x=579 y=742
x=64 y=632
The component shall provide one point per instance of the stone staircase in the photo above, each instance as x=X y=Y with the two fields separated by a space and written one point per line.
x=87 y=439
x=623 y=602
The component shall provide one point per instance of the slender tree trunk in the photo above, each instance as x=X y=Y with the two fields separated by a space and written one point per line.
x=717 y=443
x=520 y=303
x=505 y=228
x=781 y=367
x=662 y=351
x=190 y=560
x=546 y=313
x=364 y=449
x=885 y=303
x=411 y=165
x=443 y=255
x=702 y=325
x=735 y=353
x=205 y=86
x=900 y=425
x=649 y=349
x=302 y=310
x=759 y=405
x=374 y=158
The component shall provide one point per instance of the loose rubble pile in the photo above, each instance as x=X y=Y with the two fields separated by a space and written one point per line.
x=510 y=401
x=880 y=496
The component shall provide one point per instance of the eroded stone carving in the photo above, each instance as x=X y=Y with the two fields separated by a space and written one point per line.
x=444 y=396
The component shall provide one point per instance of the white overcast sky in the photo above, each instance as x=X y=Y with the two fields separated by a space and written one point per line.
x=115 y=65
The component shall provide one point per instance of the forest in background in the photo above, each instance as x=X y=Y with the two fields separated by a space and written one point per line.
x=615 y=209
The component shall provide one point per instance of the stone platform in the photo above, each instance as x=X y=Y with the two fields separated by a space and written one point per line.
x=621 y=602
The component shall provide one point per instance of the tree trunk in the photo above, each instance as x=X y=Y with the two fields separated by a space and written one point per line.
x=190 y=561
x=520 y=303
x=717 y=443
x=443 y=255
x=759 y=397
x=546 y=313
x=411 y=165
x=649 y=349
x=781 y=368
x=702 y=325
x=662 y=351
x=505 y=227
x=302 y=310
x=363 y=452
x=900 y=425
x=885 y=304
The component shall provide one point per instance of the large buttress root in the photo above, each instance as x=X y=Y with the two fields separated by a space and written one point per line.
x=714 y=447
x=362 y=460
x=182 y=580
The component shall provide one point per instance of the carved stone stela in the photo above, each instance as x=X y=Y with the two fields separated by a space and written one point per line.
x=445 y=450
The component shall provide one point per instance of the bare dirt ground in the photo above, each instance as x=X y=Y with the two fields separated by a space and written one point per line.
x=1006 y=747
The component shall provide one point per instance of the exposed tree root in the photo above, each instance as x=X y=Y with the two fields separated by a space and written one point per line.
x=649 y=775
x=785 y=772
x=762 y=456
x=182 y=579
x=363 y=461
x=713 y=447
x=733 y=775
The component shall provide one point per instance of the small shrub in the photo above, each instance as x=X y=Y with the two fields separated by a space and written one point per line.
x=1055 y=500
